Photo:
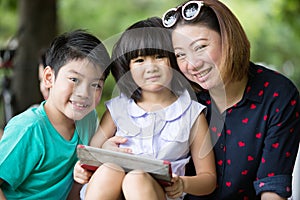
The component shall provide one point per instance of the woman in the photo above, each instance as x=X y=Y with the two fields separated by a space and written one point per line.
x=256 y=125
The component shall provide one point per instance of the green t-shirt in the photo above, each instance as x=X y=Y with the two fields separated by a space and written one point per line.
x=36 y=162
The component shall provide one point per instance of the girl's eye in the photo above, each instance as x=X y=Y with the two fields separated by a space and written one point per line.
x=139 y=60
x=160 y=56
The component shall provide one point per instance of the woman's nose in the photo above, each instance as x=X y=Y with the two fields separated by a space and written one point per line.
x=194 y=63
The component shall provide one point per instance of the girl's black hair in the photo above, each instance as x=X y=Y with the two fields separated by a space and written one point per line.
x=144 y=38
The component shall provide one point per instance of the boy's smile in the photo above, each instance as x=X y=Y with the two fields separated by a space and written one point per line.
x=76 y=90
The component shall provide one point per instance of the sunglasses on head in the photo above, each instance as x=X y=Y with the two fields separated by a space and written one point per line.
x=189 y=11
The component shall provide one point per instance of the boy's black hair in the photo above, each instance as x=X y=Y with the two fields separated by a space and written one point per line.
x=77 y=44
x=146 y=37
x=42 y=58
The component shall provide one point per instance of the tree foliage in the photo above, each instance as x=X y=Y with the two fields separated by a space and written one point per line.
x=273 y=26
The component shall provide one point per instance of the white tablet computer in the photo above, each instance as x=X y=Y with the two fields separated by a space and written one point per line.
x=91 y=158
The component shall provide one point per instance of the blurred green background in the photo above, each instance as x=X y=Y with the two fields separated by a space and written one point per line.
x=273 y=26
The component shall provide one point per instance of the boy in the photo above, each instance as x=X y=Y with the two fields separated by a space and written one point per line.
x=38 y=148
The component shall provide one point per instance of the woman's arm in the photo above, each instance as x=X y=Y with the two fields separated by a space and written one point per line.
x=271 y=196
x=202 y=154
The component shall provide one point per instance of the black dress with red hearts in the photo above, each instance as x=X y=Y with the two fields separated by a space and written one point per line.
x=255 y=141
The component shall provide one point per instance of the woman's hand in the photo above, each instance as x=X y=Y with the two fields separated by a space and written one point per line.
x=114 y=142
x=80 y=174
x=177 y=187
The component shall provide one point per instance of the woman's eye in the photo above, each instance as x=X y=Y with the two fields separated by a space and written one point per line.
x=199 y=48
x=180 y=55
x=75 y=80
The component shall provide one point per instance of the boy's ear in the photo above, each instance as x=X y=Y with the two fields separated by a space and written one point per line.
x=48 y=77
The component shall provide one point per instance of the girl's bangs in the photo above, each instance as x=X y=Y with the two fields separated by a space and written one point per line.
x=148 y=42
x=146 y=52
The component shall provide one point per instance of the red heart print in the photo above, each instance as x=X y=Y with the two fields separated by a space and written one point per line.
x=220 y=162
x=266 y=84
x=245 y=172
x=242 y=144
x=276 y=94
x=214 y=129
x=258 y=135
x=261 y=184
x=250 y=158
x=228 y=184
x=261 y=93
x=293 y=102
x=275 y=145
x=245 y=121
x=248 y=89
x=271 y=174
x=253 y=106
x=263 y=160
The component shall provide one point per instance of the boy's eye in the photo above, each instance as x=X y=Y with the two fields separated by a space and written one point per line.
x=97 y=85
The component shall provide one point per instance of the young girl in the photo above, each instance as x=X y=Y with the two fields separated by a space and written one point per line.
x=156 y=115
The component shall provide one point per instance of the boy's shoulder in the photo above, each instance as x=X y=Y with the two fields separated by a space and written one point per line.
x=34 y=116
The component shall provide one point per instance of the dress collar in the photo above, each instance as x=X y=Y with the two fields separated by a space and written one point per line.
x=170 y=113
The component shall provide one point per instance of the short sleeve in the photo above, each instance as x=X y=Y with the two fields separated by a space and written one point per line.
x=87 y=126
x=16 y=141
